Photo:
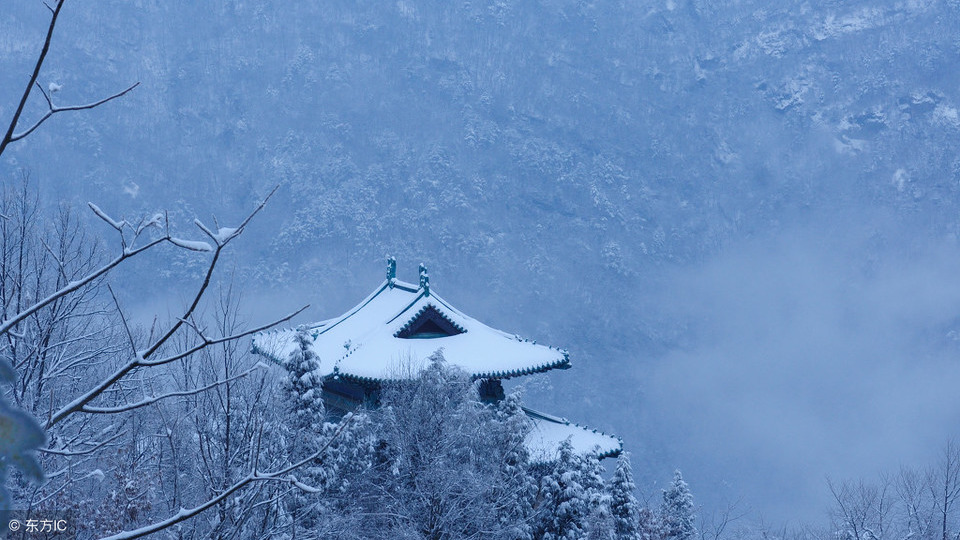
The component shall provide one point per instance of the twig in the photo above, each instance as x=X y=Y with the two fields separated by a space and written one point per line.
x=152 y=400
x=52 y=110
x=8 y=136
x=276 y=476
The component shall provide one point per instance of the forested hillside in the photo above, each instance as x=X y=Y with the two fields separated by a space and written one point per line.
x=609 y=177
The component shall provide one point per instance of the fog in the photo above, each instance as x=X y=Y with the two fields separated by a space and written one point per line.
x=815 y=354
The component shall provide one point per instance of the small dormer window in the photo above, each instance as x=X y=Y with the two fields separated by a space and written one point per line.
x=429 y=323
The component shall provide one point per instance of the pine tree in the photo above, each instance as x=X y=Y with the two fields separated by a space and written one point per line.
x=599 y=522
x=516 y=486
x=303 y=386
x=677 y=511
x=302 y=429
x=623 y=505
x=565 y=501
x=649 y=525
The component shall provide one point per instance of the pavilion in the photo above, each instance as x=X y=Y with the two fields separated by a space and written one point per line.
x=392 y=333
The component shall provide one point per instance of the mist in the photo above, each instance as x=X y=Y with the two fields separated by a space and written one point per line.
x=815 y=353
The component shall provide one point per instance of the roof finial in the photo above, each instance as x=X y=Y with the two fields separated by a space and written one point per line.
x=391 y=270
x=424 y=280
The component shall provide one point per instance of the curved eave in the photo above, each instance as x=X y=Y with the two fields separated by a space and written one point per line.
x=561 y=363
x=359 y=379
x=599 y=451
x=269 y=355
x=612 y=453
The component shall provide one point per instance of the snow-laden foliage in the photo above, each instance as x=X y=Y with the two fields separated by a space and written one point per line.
x=441 y=459
x=677 y=512
x=518 y=487
x=303 y=386
x=303 y=428
x=624 y=507
x=566 y=500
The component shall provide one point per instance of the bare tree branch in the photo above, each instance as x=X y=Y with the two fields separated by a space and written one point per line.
x=123 y=320
x=276 y=476
x=78 y=404
x=152 y=400
x=8 y=136
x=76 y=285
x=94 y=448
x=216 y=341
x=52 y=110
x=206 y=280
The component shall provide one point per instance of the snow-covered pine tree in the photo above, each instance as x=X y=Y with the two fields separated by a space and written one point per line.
x=565 y=503
x=303 y=386
x=624 y=508
x=347 y=463
x=649 y=525
x=677 y=511
x=599 y=523
x=302 y=429
x=516 y=487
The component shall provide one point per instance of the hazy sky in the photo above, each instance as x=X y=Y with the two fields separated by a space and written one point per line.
x=816 y=354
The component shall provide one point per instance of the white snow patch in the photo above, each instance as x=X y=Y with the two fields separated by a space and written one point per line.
x=900 y=179
x=834 y=26
x=946 y=115
x=406 y=9
x=224 y=234
x=846 y=145
x=103 y=215
x=192 y=245
x=131 y=189
x=772 y=43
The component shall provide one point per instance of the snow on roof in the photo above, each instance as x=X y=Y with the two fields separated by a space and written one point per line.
x=549 y=431
x=391 y=334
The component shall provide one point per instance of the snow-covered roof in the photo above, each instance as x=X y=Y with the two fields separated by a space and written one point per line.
x=549 y=432
x=391 y=334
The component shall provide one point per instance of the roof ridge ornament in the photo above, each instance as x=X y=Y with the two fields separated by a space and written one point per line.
x=391 y=271
x=424 y=280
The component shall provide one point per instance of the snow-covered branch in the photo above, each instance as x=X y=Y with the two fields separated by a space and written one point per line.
x=76 y=285
x=78 y=404
x=8 y=136
x=225 y=234
x=154 y=399
x=53 y=109
x=118 y=225
x=282 y=475
x=206 y=279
